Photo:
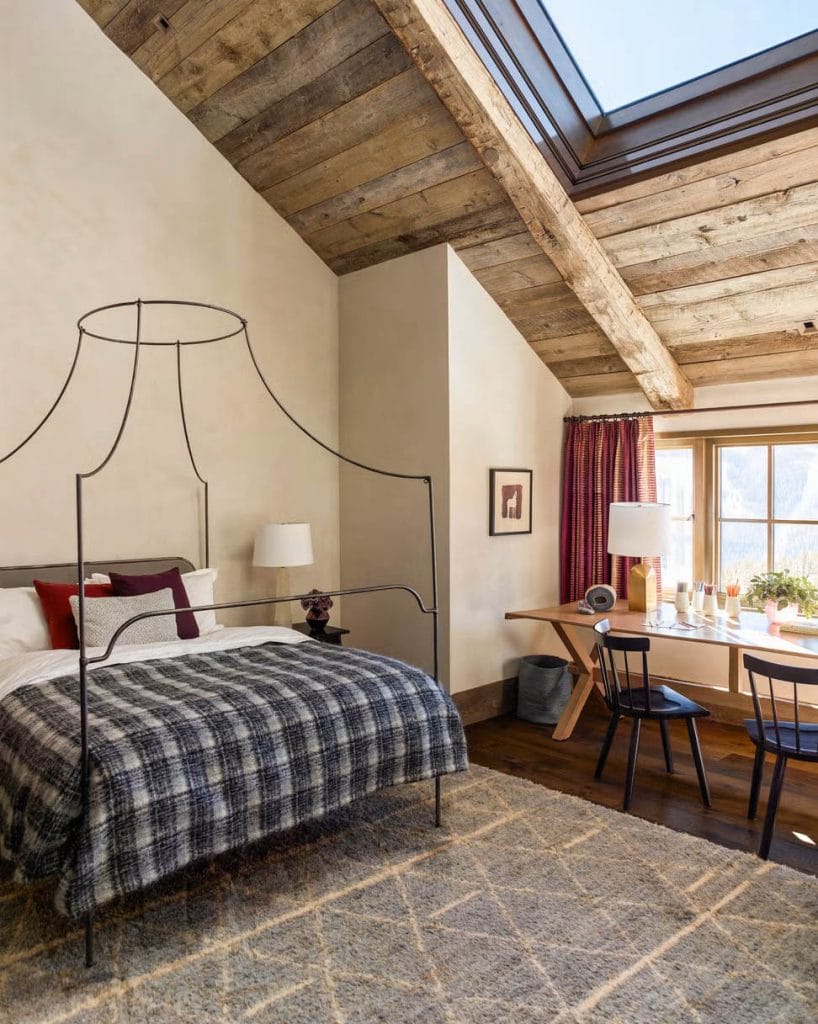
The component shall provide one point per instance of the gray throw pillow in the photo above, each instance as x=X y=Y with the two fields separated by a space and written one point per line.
x=104 y=615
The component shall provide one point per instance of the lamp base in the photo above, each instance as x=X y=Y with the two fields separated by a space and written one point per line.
x=642 y=596
x=283 y=611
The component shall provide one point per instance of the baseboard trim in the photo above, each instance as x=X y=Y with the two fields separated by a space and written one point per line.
x=500 y=698
x=488 y=701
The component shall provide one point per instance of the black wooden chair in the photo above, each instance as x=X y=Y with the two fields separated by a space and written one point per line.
x=785 y=739
x=640 y=701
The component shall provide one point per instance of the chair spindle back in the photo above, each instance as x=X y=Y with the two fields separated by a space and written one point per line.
x=760 y=671
x=617 y=696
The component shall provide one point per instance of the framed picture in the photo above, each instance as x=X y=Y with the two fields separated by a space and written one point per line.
x=509 y=501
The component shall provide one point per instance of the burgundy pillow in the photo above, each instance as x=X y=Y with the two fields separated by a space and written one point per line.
x=131 y=586
x=54 y=598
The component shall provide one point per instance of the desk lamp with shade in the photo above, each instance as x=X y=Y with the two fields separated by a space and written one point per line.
x=641 y=530
x=281 y=546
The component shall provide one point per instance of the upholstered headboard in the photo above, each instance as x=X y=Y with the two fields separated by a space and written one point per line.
x=66 y=572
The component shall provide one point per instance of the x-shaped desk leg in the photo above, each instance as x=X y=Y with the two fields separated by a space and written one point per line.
x=583 y=684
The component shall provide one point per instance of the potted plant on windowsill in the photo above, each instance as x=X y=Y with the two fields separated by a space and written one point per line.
x=782 y=595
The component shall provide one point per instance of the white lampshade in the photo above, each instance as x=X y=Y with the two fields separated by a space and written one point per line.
x=281 y=545
x=638 y=529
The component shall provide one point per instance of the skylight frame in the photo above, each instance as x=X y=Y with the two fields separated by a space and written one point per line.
x=763 y=62
x=696 y=82
x=760 y=97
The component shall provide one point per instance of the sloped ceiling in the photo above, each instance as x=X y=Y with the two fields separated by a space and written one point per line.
x=317 y=104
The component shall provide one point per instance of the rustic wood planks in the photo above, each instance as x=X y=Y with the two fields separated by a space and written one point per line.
x=320 y=106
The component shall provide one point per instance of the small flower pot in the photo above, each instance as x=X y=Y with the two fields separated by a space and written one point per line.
x=775 y=614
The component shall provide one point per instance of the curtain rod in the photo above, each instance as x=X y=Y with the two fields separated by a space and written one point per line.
x=686 y=412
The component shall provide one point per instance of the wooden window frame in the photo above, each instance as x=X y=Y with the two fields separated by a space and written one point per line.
x=701 y=494
x=705 y=446
x=762 y=97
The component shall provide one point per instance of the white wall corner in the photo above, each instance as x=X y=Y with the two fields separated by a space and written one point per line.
x=505 y=410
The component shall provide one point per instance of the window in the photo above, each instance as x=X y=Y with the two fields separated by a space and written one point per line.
x=674 y=483
x=705 y=35
x=741 y=505
x=750 y=72
x=766 y=510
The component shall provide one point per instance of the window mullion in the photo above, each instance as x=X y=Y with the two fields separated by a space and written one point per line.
x=770 y=509
x=714 y=516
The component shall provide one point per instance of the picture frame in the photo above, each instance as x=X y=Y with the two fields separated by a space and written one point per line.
x=510 y=502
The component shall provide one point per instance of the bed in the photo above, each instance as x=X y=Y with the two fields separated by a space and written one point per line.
x=198 y=747
x=119 y=767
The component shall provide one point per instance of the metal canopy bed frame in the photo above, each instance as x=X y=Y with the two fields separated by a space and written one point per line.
x=138 y=342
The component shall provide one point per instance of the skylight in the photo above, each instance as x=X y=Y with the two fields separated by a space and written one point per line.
x=629 y=49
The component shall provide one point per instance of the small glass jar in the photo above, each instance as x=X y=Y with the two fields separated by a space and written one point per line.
x=682 y=598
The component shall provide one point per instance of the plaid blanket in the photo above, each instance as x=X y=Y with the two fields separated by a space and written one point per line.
x=195 y=755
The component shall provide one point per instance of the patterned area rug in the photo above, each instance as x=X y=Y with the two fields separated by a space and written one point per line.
x=529 y=906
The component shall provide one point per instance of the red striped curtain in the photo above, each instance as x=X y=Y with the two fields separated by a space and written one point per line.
x=605 y=460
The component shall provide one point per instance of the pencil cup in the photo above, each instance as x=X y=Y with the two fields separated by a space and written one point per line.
x=732 y=605
x=710 y=607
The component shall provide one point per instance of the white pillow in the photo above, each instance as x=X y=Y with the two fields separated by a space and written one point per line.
x=199 y=587
x=22 y=622
x=104 y=615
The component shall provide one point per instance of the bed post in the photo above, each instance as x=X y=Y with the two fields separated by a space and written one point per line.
x=85 y=757
x=199 y=476
x=433 y=551
x=85 y=789
x=435 y=620
x=89 y=939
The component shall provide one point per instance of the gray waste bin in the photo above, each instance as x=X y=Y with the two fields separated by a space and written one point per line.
x=544 y=686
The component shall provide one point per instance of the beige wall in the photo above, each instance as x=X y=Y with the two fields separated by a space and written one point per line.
x=109 y=193
x=394 y=414
x=434 y=378
x=505 y=409
x=698 y=662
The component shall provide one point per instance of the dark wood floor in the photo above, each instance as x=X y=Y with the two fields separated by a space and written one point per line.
x=520 y=748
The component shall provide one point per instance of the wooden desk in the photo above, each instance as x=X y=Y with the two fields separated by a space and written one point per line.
x=751 y=632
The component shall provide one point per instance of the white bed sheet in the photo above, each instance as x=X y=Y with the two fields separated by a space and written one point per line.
x=36 y=667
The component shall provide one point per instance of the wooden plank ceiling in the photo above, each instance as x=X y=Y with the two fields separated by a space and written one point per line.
x=317 y=104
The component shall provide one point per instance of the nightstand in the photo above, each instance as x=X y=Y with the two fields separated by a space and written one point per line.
x=329 y=635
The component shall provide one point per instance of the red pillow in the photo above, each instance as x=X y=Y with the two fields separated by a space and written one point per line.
x=54 y=598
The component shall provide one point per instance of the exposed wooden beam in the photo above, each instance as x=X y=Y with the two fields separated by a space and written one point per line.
x=452 y=67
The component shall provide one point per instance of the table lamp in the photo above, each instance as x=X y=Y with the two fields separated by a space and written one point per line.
x=639 y=530
x=280 y=546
